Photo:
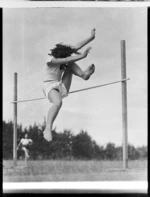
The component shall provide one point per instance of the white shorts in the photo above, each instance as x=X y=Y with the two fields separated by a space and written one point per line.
x=48 y=86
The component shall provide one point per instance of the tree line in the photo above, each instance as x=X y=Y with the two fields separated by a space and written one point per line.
x=65 y=145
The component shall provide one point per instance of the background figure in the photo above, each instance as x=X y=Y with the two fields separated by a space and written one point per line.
x=24 y=144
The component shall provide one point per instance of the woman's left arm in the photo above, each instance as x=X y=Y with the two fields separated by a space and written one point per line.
x=86 y=41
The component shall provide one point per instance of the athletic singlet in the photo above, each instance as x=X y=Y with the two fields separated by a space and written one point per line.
x=25 y=141
x=52 y=71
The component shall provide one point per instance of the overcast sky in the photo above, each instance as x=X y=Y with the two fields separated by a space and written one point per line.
x=29 y=34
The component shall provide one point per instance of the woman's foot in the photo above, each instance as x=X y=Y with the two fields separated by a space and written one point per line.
x=47 y=135
x=88 y=72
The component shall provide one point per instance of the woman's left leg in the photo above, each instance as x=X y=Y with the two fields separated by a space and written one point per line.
x=67 y=79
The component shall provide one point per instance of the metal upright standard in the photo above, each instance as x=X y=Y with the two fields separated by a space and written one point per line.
x=15 y=122
x=124 y=105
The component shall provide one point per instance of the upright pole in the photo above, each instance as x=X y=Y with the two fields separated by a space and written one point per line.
x=15 y=122
x=124 y=105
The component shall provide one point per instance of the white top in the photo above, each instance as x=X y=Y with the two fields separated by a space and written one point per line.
x=52 y=71
x=25 y=141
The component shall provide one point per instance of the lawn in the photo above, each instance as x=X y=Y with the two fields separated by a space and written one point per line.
x=60 y=170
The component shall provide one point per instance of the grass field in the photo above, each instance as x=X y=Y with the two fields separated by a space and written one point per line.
x=60 y=170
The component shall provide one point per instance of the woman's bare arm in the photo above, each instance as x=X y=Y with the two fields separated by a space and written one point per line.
x=71 y=59
x=18 y=145
x=86 y=41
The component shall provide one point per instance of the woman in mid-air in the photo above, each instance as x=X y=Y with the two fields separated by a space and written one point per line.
x=58 y=71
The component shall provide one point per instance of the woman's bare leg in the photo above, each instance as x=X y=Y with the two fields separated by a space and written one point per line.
x=67 y=79
x=56 y=100
x=26 y=152
x=55 y=96
x=76 y=70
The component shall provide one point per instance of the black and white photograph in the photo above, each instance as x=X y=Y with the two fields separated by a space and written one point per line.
x=75 y=98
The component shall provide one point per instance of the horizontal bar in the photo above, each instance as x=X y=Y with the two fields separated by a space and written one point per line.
x=98 y=86
x=75 y=91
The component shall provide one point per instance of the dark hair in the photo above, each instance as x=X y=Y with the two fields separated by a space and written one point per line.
x=62 y=51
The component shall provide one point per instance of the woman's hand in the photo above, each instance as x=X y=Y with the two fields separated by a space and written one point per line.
x=93 y=33
x=85 y=53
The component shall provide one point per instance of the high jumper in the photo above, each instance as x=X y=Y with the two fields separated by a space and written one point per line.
x=58 y=71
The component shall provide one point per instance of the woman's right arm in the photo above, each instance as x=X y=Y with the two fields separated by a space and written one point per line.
x=71 y=58
x=18 y=145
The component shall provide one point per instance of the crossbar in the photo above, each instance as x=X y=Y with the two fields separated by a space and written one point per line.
x=75 y=91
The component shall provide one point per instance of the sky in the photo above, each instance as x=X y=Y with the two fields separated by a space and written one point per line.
x=28 y=36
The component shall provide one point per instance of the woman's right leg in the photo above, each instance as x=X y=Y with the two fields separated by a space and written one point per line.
x=76 y=70
x=26 y=152
x=56 y=99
